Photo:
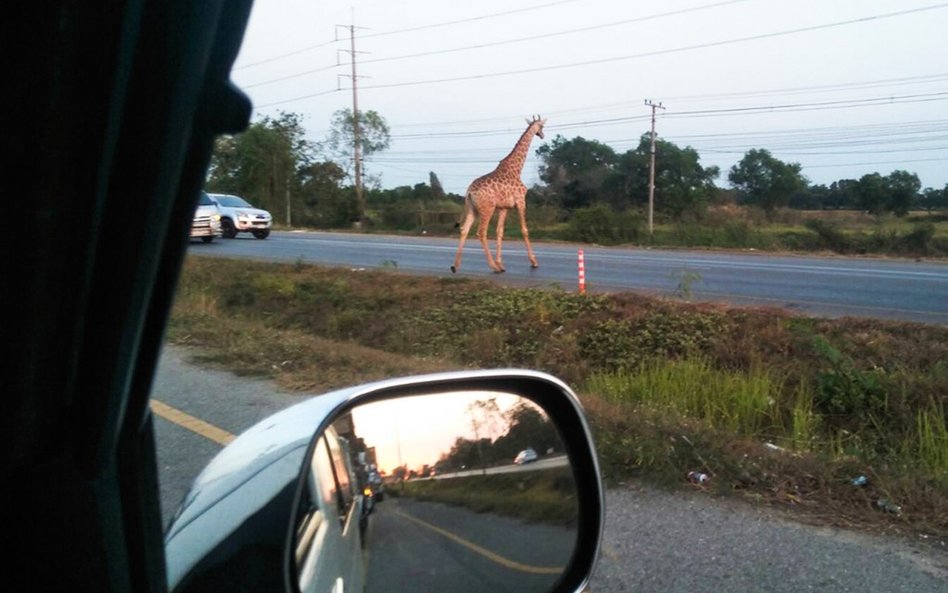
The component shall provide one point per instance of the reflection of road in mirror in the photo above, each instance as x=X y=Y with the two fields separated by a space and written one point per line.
x=456 y=491
x=425 y=546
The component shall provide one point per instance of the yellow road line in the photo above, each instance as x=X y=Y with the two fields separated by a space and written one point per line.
x=195 y=425
x=484 y=552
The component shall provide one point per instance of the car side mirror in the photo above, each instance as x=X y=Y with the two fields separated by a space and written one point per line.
x=454 y=481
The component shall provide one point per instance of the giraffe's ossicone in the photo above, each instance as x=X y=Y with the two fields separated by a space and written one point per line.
x=500 y=190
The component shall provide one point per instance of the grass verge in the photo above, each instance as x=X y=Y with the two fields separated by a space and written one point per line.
x=777 y=408
x=541 y=496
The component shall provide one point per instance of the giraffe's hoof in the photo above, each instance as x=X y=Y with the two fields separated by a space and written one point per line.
x=453 y=269
x=499 y=271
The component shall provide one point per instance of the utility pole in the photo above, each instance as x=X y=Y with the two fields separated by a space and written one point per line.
x=356 y=129
x=651 y=168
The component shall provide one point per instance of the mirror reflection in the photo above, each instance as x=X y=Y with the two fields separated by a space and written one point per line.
x=457 y=491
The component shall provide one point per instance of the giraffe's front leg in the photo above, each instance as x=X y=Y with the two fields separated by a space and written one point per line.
x=501 y=219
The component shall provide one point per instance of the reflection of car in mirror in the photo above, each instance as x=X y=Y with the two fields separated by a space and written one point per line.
x=238 y=216
x=526 y=456
x=331 y=520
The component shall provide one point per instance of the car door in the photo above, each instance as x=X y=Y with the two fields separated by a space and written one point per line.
x=329 y=552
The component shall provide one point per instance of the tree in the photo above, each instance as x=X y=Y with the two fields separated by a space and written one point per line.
x=842 y=194
x=373 y=137
x=527 y=427
x=682 y=185
x=766 y=181
x=902 y=190
x=814 y=197
x=261 y=164
x=437 y=189
x=871 y=193
x=323 y=202
x=586 y=172
x=576 y=169
x=934 y=199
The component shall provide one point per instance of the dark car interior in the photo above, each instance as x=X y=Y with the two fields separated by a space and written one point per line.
x=113 y=104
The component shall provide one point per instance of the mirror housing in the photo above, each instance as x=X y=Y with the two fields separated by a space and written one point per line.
x=237 y=524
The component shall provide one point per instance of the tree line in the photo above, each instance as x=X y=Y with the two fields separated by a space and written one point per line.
x=580 y=173
x=307 y=182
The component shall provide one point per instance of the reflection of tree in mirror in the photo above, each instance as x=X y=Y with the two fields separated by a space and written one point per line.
x=521 y=427
x=485 y=415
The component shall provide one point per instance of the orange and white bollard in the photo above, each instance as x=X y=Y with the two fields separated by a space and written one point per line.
x=582 y=273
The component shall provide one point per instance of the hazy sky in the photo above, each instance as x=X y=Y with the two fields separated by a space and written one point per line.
x=402 y=430
x=844 y=87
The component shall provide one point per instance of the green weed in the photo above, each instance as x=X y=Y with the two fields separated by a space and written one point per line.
x=742 y=403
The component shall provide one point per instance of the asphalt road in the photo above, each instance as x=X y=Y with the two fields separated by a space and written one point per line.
x=826 y=286
x=548 y=463
x=421 y=546
x=654 y=540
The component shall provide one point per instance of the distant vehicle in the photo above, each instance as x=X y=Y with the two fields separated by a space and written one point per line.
x=207 y=220
x=526 y=456
x=239 y=216
x=374 y=487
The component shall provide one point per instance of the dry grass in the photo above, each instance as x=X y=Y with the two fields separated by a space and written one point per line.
x=850 y=396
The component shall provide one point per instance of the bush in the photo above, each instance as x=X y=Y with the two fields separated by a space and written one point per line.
x=918 y=241
x=402 y=215
x=830 y=236
x=602 y=225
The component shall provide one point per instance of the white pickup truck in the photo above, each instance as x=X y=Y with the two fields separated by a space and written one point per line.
x=238 y=216
x=207 y=220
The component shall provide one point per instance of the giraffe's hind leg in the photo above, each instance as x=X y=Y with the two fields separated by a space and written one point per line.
x=501 y=219
x=522 y=211
x=485 y=215
x=465 y=229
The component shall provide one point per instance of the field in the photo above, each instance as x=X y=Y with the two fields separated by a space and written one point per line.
x=543 y=496
x=777 y=409
x=919 y=234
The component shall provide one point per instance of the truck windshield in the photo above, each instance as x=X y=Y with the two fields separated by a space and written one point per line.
x=233 y=202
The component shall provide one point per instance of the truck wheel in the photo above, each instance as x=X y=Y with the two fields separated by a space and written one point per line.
x=207 y=239
x=261 y=233
x=228 y=231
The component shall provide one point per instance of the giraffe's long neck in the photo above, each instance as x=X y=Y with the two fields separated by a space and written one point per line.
x=513 y=162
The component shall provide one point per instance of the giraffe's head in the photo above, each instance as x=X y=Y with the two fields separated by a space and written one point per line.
x=536 y=124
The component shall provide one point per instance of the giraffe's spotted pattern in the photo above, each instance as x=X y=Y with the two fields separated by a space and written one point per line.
x=500 y=190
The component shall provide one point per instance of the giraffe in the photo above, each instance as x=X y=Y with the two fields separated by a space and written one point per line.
x=500 y=190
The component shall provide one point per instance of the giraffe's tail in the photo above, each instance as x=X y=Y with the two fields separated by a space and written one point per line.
x=468 y=208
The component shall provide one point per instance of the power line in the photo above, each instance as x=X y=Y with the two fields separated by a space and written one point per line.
x=683 y=98
x=761 y=109
x=286 y=55
x=555 y=33
x=827 y=88
x=289 y=77
x=871 y=101
x=664 y=51
x=864 y=164
x=919 y=124
x=467 y=20
x=310 y=96
x=406 y=30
